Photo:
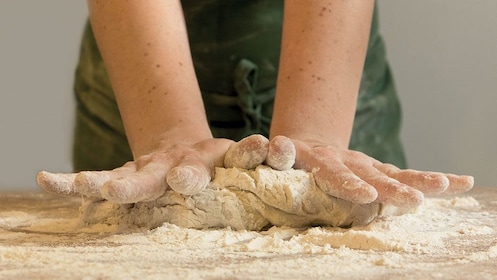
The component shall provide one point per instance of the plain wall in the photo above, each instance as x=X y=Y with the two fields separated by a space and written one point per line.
x=38 y=53
x=443 y=55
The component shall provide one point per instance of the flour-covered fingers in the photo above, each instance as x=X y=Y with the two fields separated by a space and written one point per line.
x=247 y=153
x=188 y=179
x=345 y=185
x=89 y=183
x=337 y=180
x=147 y=183
x=459 y=183
x=390 y=191
x=351 y=175
x=430 y=183
x=194 y=170
x=331 y=174
x=281 y=153
x=57 y=183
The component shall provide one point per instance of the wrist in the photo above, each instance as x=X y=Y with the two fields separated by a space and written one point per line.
x=313 y=134
x=181 y=134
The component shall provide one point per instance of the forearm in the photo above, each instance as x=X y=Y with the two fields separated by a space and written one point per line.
x=323 y=50
x=144 y=45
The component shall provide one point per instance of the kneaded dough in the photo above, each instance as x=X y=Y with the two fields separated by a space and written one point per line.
x=240 y=199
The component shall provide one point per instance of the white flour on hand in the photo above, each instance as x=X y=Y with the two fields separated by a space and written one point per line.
x=240 y=199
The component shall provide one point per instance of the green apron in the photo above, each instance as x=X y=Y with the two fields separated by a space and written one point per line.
x=235 y=48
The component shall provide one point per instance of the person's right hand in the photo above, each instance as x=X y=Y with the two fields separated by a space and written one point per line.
x=187 y=169
x=359 y=178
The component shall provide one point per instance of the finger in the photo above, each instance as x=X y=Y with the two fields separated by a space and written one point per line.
x=430 y=183
x=459 y=184
x=194 y=172
x=148 y=183
x=57 y=183
x=89 y=183
x=188 y=179
x=247 y=153
x=281 y=153
x=390 y=191
x=342 y=183
x=332 y=176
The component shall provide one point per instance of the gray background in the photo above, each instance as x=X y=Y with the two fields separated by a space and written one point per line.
x=443 y=54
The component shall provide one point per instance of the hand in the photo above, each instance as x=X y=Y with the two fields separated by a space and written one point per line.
x=358 y=178
x=186 y=169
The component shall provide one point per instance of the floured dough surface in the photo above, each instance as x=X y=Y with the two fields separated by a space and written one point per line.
x=240 y=199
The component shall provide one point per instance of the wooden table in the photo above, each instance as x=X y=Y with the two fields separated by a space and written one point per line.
x=28 y=253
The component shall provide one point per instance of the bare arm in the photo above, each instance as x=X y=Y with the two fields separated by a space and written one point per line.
x=323 y=51
x=145 y=48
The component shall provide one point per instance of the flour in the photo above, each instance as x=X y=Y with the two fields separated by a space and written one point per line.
x=443 y=238
x=240 y=199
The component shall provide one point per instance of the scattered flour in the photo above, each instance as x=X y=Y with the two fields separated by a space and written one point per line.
x=443 y=238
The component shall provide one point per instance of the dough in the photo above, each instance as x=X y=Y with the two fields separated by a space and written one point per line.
x=240 y=199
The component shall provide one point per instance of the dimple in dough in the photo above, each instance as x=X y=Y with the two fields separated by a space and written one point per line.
x=240 y=199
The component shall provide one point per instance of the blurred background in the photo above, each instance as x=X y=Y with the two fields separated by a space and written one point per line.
x=443 y=55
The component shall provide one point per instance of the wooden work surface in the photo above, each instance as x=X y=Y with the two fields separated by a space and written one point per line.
x=27 y=253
